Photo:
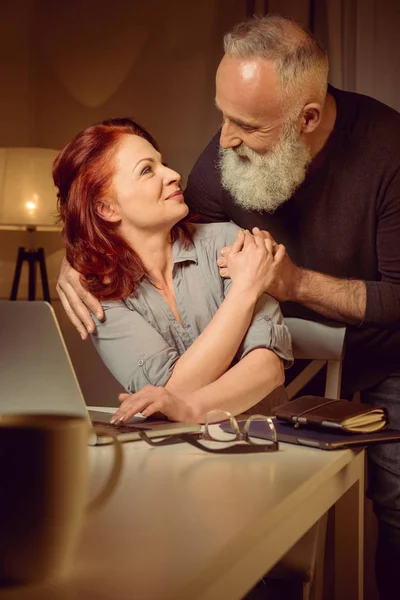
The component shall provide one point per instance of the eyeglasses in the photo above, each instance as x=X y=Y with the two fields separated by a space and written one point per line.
x=258 y=431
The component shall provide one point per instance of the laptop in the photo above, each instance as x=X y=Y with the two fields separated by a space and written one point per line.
x=37 y=375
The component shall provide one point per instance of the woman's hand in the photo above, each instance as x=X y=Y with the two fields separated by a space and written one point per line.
x=150 y=400
x=251 y=262
x=282 y=277
x=74 y=297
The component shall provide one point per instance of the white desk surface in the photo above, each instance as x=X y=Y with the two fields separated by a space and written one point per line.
x=183 y=524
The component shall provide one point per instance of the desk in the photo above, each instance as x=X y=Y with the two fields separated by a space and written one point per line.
x=186 y=525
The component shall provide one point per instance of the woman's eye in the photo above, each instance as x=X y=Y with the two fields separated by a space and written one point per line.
x=146 y=170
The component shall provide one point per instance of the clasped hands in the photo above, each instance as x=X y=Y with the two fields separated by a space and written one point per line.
x=277 y=274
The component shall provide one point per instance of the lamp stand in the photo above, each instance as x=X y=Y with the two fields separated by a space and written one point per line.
x=31 y=257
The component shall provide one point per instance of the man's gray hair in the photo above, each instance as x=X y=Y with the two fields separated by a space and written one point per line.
x=301 y=60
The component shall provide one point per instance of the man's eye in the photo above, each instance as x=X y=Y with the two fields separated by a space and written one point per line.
x=246 y=127
x=146 y=170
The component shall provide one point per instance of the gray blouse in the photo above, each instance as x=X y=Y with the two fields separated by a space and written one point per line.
x=140 y=339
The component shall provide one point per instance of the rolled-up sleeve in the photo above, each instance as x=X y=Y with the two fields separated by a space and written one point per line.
x=134 y=351
x=267 y=330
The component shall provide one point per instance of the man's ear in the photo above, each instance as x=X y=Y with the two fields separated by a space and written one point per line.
x=310 y=117
x=107 y=210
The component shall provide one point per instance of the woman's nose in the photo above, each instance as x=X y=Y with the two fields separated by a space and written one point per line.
x=172 y=176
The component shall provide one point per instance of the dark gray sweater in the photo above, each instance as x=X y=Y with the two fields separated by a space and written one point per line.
x=344 y=220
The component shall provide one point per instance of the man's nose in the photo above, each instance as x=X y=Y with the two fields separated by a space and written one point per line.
x=229 y=137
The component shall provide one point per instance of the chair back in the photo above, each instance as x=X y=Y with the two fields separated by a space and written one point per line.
x=323 y=345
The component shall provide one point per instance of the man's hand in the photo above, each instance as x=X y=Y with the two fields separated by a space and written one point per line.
x=150 y=400
x=74 y=297
x=282 y=277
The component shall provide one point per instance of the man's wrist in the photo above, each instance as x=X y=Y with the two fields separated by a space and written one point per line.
x=300 y=283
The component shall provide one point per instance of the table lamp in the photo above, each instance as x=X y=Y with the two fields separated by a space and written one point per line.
x=28 y=201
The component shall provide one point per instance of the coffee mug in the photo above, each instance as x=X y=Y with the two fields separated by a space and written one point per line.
x=43 y=492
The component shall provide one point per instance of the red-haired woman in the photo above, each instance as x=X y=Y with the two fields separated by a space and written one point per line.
x=179 y=338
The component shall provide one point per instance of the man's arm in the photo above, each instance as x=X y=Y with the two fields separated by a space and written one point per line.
x=339 y=299
x=356 y=301
x=350 y=301
x=76 y=300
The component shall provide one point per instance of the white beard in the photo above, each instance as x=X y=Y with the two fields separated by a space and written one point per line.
x=265 y=182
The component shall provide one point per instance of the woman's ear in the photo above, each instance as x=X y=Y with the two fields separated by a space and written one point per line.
x=310 y=117
x=107 y=210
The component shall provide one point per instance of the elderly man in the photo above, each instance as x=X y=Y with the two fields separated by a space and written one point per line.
x=319 y=170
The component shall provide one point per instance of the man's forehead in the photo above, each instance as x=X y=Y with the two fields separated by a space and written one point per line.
x=249 y=70
x=247 y=89
x=250 y=66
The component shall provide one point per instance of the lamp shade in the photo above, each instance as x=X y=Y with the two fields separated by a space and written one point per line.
x=28 y=197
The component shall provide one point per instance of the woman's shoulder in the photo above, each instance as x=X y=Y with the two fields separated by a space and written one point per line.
x=223 y=234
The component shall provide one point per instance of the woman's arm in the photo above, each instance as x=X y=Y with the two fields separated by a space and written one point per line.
x=242 y=386
x=138 y=355
x=258 y=374
x=212 y=353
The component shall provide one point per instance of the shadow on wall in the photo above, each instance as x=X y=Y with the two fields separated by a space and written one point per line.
x=154 y=61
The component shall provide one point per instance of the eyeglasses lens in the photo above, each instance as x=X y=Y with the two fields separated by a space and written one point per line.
x=221 y=426
x=259 y=430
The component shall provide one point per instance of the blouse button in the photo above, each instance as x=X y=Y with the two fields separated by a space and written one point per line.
x=141 y=362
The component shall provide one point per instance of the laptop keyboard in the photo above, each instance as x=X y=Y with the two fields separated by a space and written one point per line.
x=121 y=428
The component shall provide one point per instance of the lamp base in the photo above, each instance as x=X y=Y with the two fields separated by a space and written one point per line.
x=31 y=257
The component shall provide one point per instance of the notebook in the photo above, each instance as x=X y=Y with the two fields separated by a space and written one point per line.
x=332 y=414
x=37 y=375
x=322 y=439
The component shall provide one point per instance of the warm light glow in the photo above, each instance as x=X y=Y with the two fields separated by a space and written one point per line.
x=28 y=197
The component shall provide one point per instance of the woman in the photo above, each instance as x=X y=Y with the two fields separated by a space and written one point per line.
x=181 y=340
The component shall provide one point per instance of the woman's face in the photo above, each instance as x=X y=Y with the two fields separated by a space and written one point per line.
x=147 y=193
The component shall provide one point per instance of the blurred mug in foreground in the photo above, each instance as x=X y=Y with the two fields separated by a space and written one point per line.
x=43 y=492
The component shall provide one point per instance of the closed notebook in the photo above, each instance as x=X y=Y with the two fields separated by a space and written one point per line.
x=327 y=413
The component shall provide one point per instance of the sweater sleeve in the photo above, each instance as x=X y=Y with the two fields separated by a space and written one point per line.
x=383 y=297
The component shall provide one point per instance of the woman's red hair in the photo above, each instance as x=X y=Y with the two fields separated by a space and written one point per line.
x=82 y=172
